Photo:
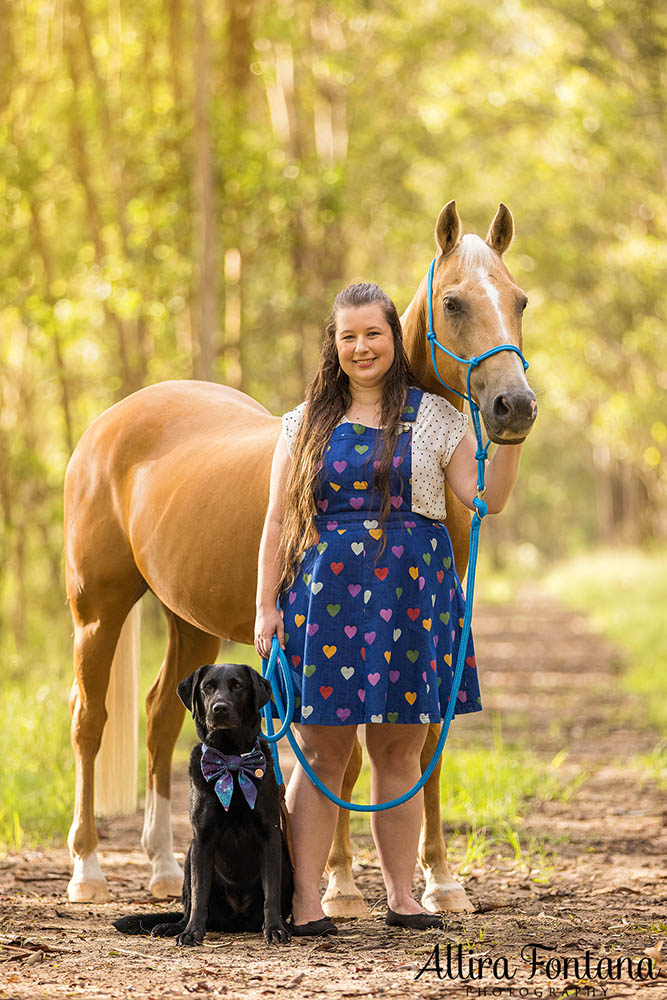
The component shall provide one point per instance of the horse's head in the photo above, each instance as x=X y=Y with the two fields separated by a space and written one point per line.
x=477 y=305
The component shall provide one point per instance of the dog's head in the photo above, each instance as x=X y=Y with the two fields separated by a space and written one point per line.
x=225 y=698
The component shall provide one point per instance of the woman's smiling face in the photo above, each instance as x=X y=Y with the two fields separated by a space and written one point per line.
x=365 y=344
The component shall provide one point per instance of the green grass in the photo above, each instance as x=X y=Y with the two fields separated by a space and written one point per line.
x=652 y=765
x=36 y=764
x=624 y=591
x=483 y=792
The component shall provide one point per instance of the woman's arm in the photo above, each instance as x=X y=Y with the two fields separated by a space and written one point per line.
x=500 y=473
x=268 y=619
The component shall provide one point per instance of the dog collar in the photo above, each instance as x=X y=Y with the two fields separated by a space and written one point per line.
x=220 y=767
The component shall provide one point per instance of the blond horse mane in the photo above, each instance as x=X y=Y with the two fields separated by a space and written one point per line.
x=475 y=253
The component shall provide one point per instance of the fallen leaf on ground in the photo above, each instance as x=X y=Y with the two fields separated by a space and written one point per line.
x=37 y=956
x=655 y=954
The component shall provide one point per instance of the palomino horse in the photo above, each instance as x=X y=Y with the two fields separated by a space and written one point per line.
x=168 y=490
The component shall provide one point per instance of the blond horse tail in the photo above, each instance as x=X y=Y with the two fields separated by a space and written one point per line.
x=116 y=761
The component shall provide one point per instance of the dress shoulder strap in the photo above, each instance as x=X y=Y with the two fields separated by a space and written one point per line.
x=412 y=401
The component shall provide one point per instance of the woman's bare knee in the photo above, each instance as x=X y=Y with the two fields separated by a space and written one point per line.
x=327 y=750
x=395 y=746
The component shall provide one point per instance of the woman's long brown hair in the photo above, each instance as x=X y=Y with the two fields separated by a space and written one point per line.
x=328 y=398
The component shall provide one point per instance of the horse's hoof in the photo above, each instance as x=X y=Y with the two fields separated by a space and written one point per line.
x=88 y=891
x=164 y=886
x=345 y=906
x=451 y=898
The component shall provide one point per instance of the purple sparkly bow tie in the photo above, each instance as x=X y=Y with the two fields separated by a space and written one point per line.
x=219 y=767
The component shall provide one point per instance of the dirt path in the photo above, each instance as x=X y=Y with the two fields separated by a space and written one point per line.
x=554 y=684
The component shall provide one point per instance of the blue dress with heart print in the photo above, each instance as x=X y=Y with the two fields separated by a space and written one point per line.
x=373 y=636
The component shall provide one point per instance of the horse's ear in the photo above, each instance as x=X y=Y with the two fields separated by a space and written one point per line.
x=448 y=228
x=501 y=232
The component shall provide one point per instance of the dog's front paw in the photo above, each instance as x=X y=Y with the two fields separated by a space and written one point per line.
x=277 y=933
x=189 y=938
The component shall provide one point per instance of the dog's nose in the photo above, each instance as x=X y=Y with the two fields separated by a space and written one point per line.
x=220 y=709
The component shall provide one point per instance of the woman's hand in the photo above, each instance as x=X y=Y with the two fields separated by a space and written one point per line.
x=501 y=473
x=268 y=622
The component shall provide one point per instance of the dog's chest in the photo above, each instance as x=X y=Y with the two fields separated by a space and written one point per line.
x=239 y=849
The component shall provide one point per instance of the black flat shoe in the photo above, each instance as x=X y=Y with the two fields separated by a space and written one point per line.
x=314 y=928
x=413 y=921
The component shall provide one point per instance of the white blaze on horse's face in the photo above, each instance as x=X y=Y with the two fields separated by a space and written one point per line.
x=477 y=305
x=493 y=295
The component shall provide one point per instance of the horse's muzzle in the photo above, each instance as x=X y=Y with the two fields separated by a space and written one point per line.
x=510 y=416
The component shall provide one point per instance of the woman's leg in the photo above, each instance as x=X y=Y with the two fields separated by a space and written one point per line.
x=312 y=816
x=394 y=752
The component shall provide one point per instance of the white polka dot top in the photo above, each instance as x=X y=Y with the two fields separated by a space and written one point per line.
x=437 y=430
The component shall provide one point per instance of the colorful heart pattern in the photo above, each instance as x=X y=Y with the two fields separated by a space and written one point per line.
x=371 y=627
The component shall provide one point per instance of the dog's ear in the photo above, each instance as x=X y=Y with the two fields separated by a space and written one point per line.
x=188 y=688
x=261 y=687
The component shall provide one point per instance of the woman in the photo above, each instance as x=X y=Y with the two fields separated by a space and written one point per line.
x=356 y=553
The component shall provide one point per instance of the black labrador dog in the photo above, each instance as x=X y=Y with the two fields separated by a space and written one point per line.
x=238 y=875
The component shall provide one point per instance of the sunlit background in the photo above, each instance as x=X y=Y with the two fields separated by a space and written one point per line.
x=184 y=186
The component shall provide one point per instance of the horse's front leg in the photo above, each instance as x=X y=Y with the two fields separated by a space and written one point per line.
x=442 y=891
x=187 y=649
x=342 y=898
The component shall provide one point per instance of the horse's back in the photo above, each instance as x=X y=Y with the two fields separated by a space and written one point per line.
x=169 y=418
x=164 y=415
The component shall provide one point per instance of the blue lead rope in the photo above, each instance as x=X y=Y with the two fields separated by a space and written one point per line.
x=277 y=656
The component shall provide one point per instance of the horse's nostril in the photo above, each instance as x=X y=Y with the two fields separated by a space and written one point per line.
x=501 y=408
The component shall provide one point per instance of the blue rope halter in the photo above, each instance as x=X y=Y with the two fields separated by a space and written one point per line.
x=482 y=450
x=278 y=658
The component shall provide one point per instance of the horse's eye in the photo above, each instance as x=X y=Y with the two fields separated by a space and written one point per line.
x=450 y=304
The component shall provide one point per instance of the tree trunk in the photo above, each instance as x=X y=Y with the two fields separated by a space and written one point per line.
x=233 y=313
x=7 y=56
x=130 y=378
x=331 y=139
x=289 y=120
x=206 y=243
x=175 y=14
x=5 y=494
x=43 y=251
x=237 y=79
x=604 y=494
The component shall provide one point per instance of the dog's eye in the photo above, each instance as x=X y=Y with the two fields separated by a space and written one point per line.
x=234 y=684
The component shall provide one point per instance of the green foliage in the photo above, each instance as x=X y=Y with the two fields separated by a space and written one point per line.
x=335 y=132
x=625 y=593
x=36 y=761
x=652 y=766
x=36 y=764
